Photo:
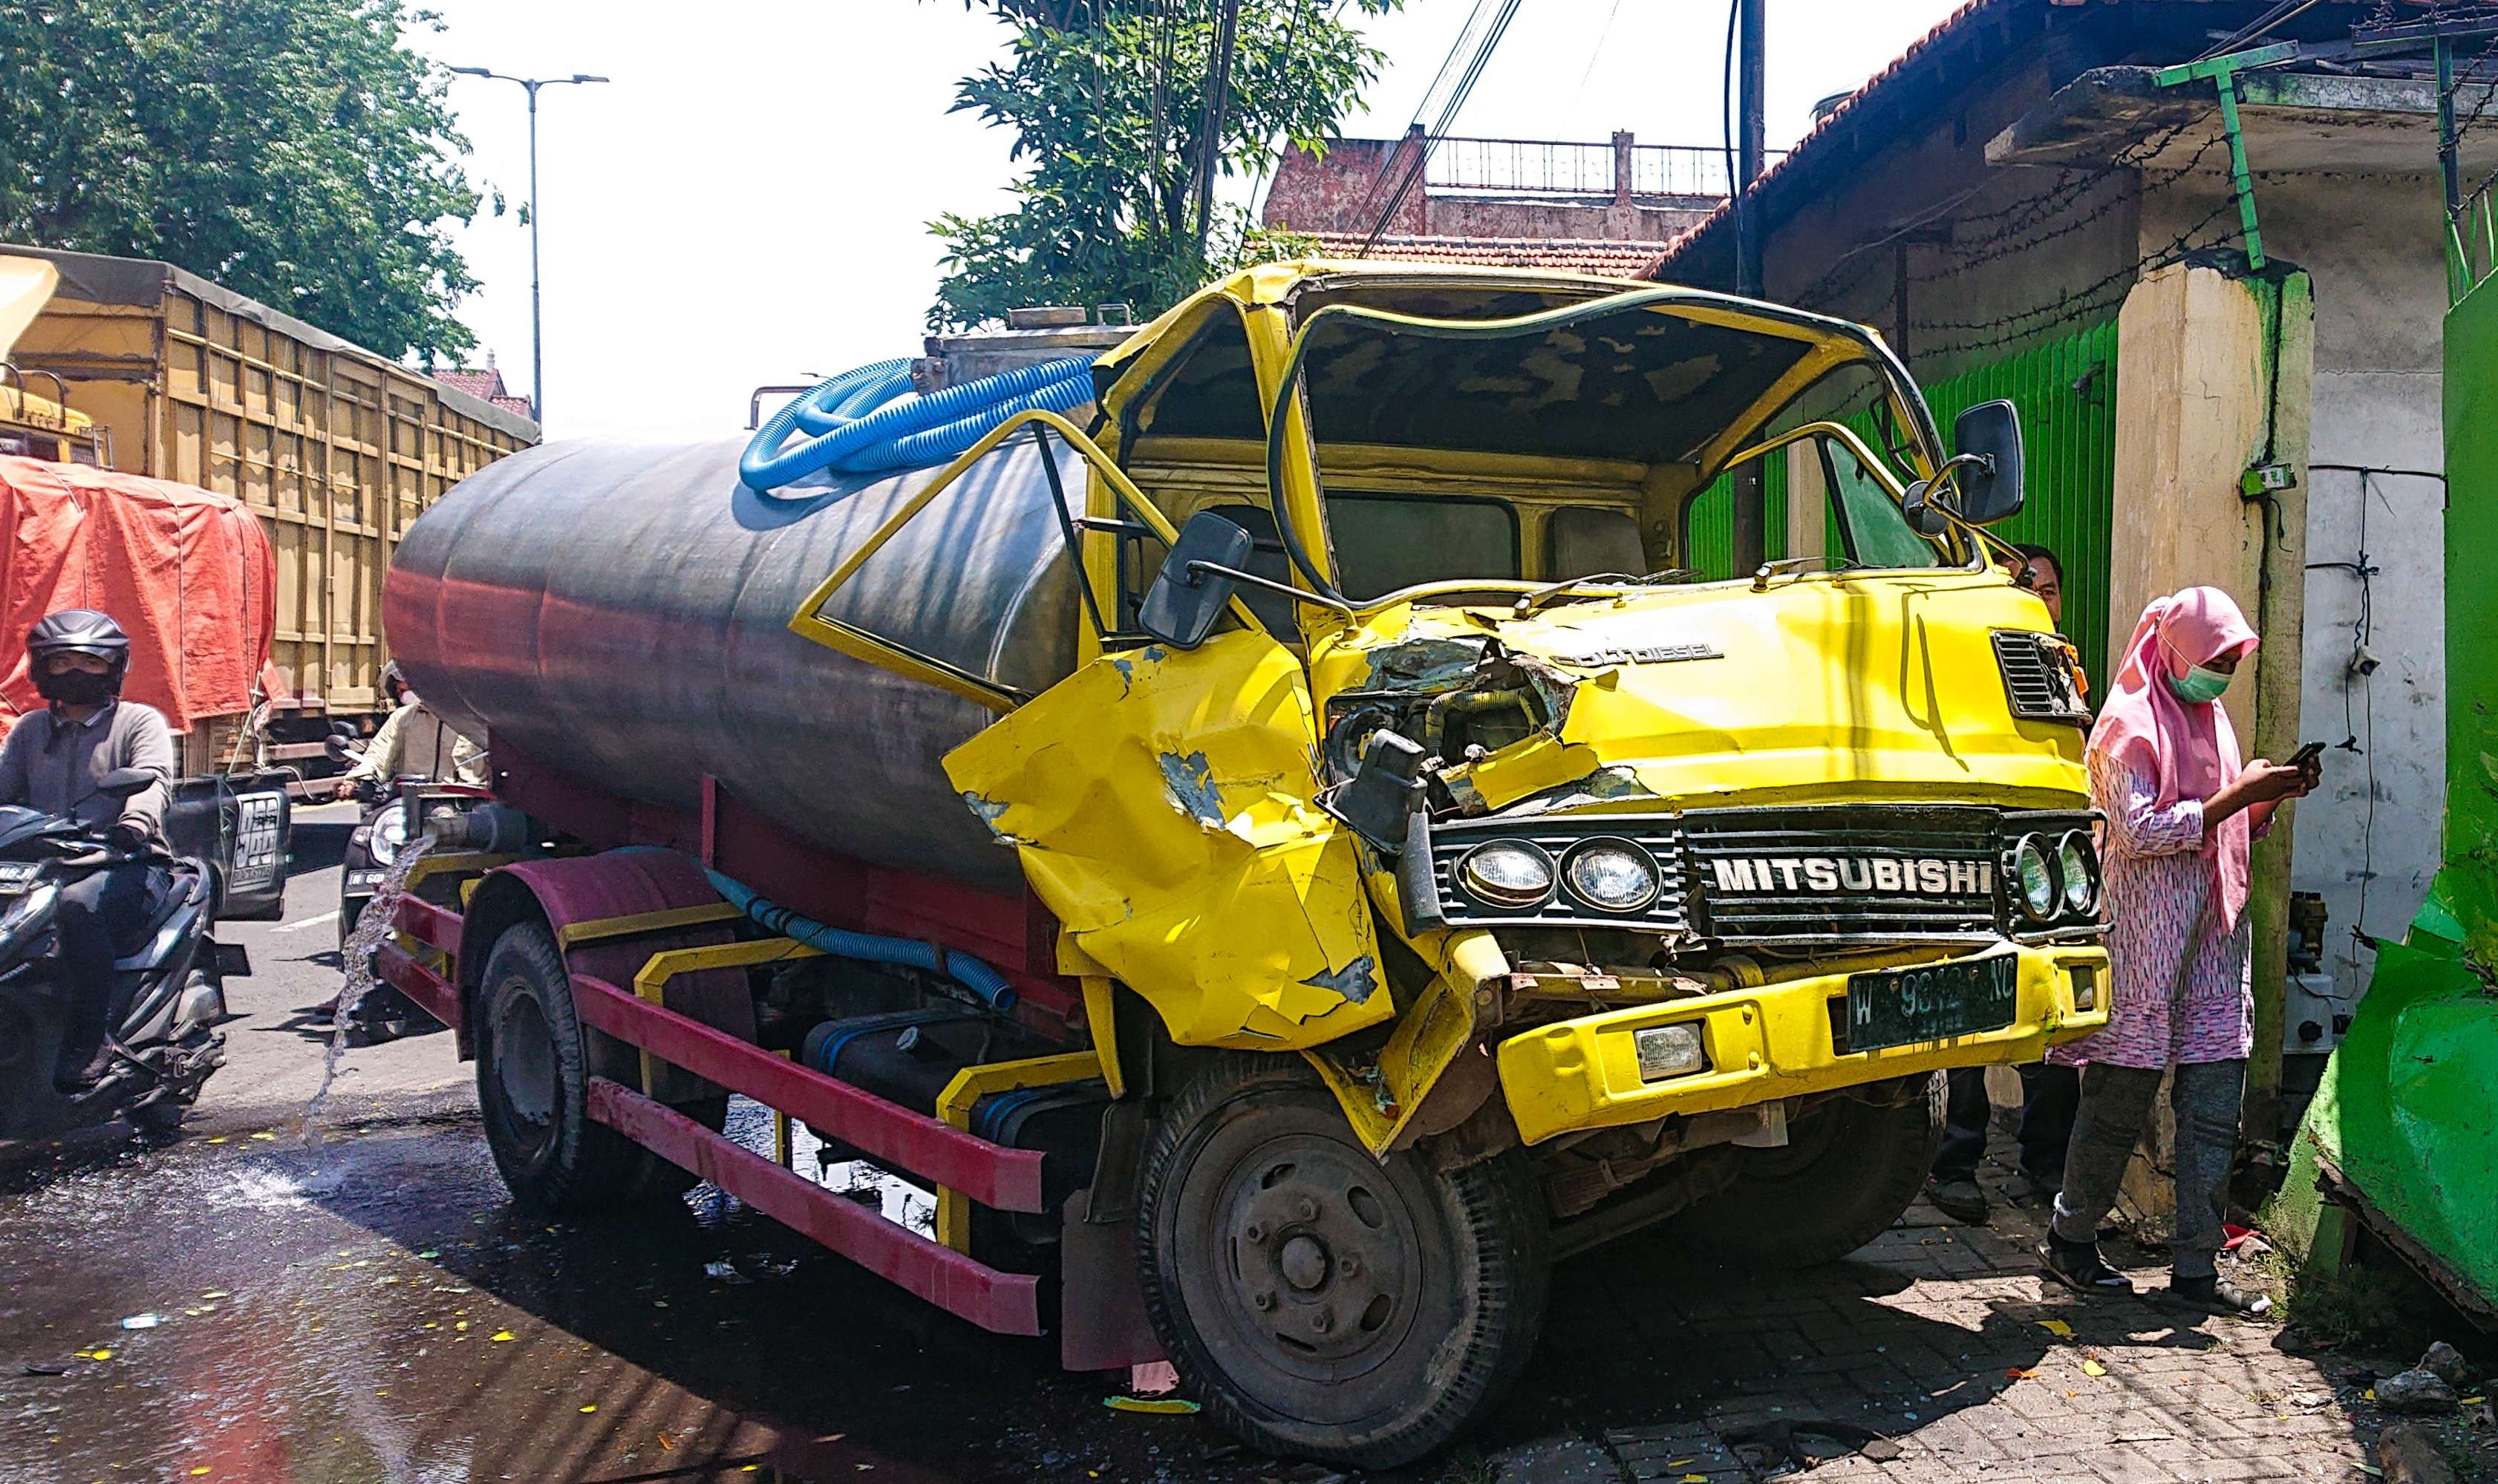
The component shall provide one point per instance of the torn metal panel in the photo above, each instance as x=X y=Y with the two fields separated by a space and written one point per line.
x=1161 y=804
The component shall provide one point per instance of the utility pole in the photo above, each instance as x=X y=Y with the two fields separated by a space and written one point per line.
x=537 y=354
x=1751 y=489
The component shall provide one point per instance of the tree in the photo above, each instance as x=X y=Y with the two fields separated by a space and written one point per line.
x=292 y=150
x=1127 y=110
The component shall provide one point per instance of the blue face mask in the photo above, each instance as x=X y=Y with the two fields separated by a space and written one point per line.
x=2201 y=684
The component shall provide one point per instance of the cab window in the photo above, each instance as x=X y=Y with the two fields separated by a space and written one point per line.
x=1385 y=542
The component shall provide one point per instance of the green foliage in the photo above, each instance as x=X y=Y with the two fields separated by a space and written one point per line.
x=289 y=149
x=1108 y=101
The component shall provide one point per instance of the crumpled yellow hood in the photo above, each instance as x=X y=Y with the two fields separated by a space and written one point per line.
x=1848 y=686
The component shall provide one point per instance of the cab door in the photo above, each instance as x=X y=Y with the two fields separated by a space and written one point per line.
x=1161 y=801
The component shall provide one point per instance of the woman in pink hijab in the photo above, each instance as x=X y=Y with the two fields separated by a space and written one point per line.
x=2182 y=816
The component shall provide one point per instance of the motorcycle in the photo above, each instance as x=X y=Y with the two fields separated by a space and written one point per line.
x=168 y=996
x=384 y=1014
x=373 y=847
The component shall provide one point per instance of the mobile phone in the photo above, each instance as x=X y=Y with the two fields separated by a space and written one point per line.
x=2308 y=752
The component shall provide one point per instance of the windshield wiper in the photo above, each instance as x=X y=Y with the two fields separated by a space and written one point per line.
x=1605 y=582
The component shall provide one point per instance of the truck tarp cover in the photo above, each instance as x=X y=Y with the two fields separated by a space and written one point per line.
x=188 y=572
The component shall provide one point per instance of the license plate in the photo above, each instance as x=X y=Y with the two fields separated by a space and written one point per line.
x=364 y=878
x=15 y=876
x=1931 y=1002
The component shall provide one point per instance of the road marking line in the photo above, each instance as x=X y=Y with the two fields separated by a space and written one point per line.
x=309 y=922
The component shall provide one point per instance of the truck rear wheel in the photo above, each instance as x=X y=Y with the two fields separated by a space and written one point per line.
x=1319 y=1303
x=534 y=1062
x=1850 y=1167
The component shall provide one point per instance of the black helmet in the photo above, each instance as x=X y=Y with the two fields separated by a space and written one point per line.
x=78 y=631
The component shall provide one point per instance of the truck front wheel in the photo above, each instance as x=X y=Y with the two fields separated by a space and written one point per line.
x=534 y=1062
x=1850 y=1167
x=1320 y=1303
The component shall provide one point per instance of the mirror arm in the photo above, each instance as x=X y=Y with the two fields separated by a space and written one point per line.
x=1298 y=595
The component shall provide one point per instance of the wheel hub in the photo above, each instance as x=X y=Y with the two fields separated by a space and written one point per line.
x=1323 y=1258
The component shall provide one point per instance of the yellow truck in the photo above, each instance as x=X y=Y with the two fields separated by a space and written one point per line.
x=1308 y=817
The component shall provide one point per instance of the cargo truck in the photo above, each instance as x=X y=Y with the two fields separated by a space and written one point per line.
x=153 y=371
x=1285 y=860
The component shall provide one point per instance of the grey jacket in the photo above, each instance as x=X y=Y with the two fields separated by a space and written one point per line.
x=52 y=765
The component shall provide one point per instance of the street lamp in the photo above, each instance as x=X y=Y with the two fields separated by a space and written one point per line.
x=538 y=362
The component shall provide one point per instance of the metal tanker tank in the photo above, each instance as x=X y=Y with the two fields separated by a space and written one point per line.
x=620 y=612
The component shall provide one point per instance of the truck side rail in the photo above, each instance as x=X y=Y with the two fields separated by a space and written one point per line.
x=964 y=1167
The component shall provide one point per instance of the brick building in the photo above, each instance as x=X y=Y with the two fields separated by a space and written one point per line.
x=1605 y=208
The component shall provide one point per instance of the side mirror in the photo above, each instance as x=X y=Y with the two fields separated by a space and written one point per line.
x=336 y=748
x=1987 y=448
x=1190 y=592
x=126 y=782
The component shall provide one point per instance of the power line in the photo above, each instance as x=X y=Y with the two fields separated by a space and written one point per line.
x=1458 y=96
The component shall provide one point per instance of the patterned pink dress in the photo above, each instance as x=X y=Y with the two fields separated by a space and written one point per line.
x=2161 y=877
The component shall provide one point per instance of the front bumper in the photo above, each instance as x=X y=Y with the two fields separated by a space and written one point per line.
x=1773 y=1041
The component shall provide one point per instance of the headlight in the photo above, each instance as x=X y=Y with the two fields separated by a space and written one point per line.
x=1669 y=1051
x=2081 y=881
x=1613 y=874
x=1508 y=873
x=390 y=832
x=2037 y=876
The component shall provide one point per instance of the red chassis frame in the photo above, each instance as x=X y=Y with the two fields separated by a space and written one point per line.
x=1015 y=936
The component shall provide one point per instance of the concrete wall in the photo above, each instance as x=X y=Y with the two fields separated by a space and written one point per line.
x=2190 y=407
x=1591 y=218
x=2373 y=245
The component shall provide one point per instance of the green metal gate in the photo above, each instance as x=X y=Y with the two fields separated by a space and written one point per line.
x=2066 y=389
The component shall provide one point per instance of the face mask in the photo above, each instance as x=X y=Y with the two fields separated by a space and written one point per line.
x=74 y=687
x=2201 y=684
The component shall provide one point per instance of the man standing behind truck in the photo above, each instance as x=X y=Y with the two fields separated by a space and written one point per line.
x=416 y=742
x=2049 y=1093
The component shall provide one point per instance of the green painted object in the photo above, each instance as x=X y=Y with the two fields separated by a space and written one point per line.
x=2407 y=1112
x=2406 y=1117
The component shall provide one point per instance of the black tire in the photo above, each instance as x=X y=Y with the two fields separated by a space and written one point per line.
x=1850 y=1167
x=1318 y=1303
x=534 y=1062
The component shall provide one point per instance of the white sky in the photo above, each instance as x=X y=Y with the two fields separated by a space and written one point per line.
x=746 y=201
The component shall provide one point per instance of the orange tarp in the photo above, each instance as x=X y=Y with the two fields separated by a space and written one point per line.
x=189 y=573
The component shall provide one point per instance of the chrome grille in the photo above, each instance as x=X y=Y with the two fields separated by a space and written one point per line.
x=1816 y=872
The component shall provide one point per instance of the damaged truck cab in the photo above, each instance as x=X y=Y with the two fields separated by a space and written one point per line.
x=1539 y=889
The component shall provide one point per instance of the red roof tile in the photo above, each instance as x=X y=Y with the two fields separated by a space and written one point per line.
x=1604 y=258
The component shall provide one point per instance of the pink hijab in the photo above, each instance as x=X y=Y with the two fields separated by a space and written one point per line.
x=2188 y=748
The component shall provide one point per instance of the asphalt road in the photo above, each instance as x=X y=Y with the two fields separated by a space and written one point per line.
x=357 y=1300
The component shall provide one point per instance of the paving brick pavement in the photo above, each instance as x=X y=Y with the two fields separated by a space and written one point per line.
x=1940 y=1338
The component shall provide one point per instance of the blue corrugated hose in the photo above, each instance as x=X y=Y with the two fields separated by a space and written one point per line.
x=868 y=421
x=964 y=969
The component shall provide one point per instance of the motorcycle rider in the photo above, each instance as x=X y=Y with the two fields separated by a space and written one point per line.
x=52 y=761
x=415 y=742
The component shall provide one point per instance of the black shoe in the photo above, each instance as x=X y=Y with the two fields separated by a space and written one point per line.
x=76 y=1082
x=1958 y=1198
x=2217 y=1295
x=2077 y=1266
